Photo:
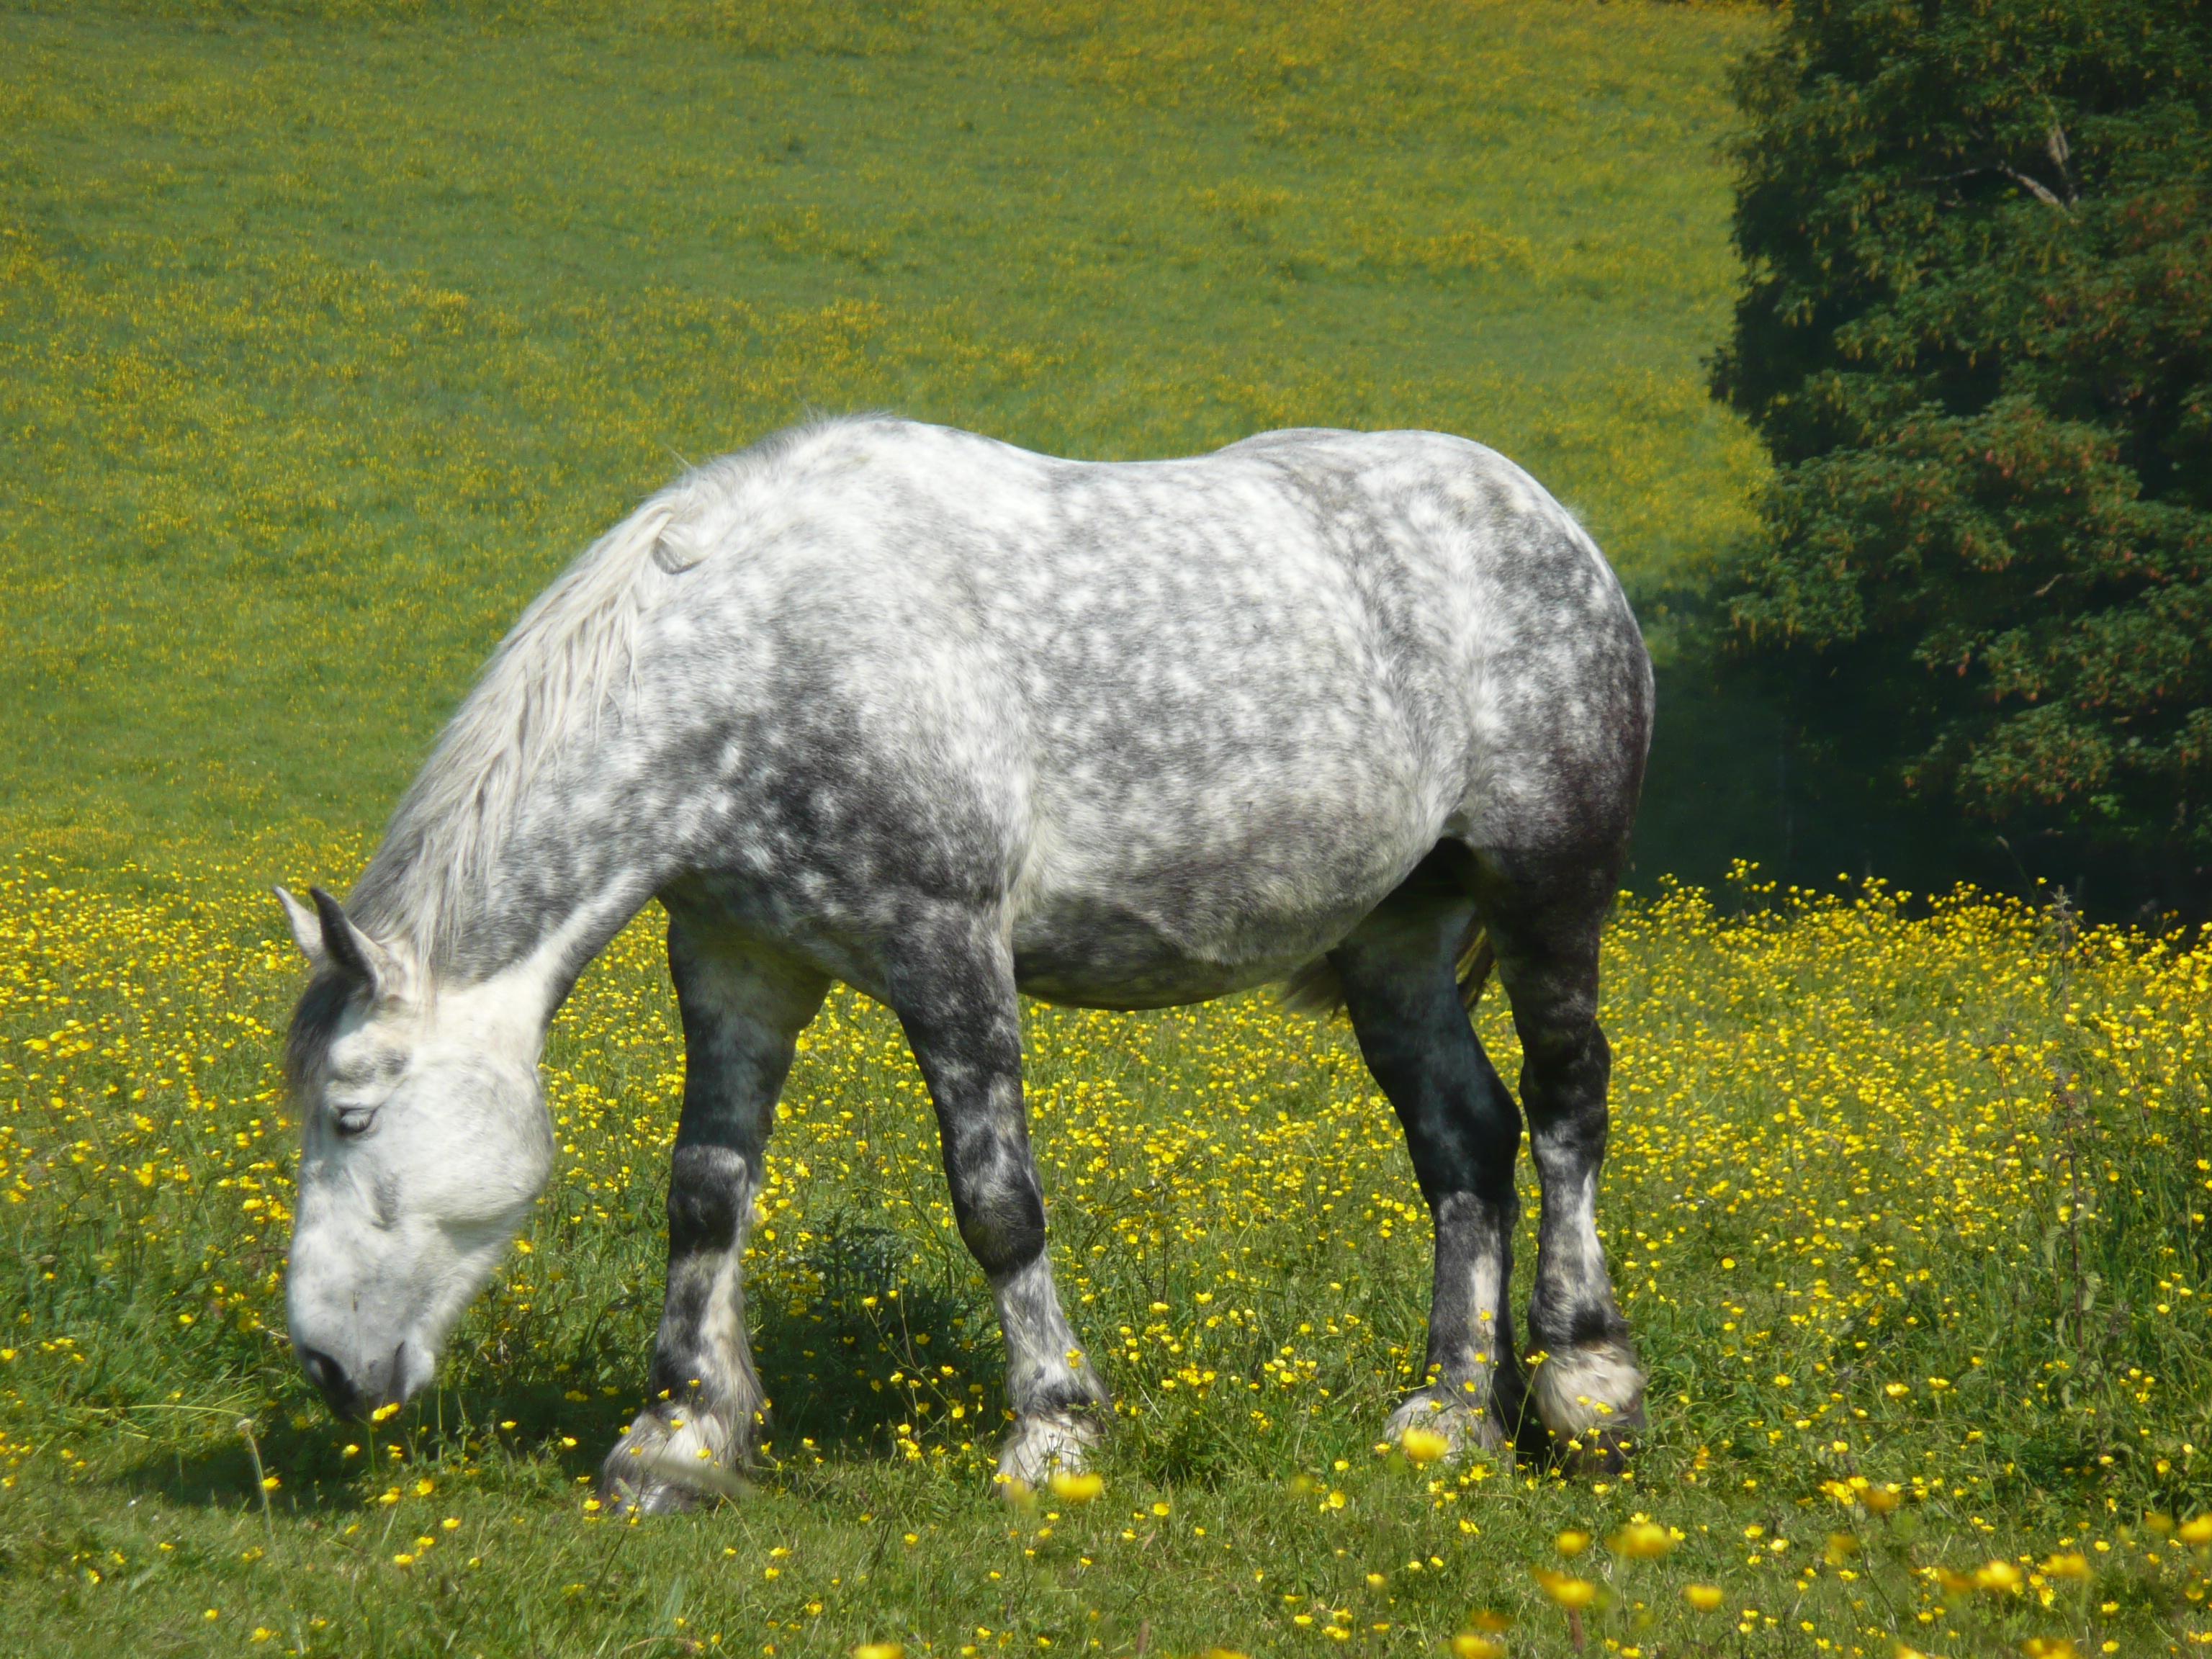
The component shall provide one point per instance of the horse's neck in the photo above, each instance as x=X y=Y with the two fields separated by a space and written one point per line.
x=521 y=919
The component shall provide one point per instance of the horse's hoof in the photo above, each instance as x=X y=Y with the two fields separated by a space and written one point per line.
x=1605 y=1451
x=1038 y=1444
x=1591 y=1400
x=1467 y=1427
x=667 y=1465
x=650 y=1496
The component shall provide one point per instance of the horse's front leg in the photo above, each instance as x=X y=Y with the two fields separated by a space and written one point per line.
x=742 y=1013
x=951 y=983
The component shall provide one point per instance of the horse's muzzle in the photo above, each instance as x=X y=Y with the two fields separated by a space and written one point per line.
x=340 y=1392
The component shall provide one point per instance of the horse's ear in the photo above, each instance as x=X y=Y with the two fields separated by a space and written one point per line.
x=331 y=943
x=348 y=950
x=306 y=929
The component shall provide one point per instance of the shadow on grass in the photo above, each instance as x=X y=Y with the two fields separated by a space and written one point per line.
x=529 y=1422
x=312 y=1478
x=828 y=1354
x=854 y=1352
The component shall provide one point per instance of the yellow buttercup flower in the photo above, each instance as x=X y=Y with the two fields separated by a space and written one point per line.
x=1568 y=1591
x=1424 y=1446
x=1075 y=1488
x=1704 y=1597
x=1998 y=1577
x=1572 y=1543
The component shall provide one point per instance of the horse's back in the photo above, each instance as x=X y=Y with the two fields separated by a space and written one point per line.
x=1402 y=612
x=1189 y=720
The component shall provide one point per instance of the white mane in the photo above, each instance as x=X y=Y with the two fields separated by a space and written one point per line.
x=545 y=688
x=545 y=685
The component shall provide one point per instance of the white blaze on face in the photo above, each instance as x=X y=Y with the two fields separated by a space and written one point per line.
x=424 y=1143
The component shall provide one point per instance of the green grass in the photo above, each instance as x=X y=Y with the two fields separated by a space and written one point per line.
x=325 y=342
x=1860 y=1236
x=327 y=334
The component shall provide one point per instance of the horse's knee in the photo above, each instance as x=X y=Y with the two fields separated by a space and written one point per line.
x=1566 y=1075
x=710 y=1190
x=1004 y=1238
x=996 y=1201
x=1564 y=1048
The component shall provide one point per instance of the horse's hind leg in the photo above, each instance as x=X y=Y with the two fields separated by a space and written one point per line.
x=1545 y=918
x=742 y=1014
x=1395 y=972
x=950 y=980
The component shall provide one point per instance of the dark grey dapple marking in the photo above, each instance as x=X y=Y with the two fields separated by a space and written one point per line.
x=906 y=708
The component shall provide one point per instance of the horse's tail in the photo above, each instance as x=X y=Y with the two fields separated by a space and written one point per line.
x=1472 y=964
x=1315 y=989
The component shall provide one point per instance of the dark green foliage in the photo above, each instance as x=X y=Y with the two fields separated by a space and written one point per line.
x=1974 y=337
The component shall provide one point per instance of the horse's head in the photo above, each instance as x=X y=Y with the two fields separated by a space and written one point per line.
x=424 y=1142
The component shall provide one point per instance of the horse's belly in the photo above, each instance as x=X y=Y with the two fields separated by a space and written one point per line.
x=1192 y=934
x=1097 y=960
x=1176 y=890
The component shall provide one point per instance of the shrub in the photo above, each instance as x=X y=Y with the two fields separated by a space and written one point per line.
x=1974 y=337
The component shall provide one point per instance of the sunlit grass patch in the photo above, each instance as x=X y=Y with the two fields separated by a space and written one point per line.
x=1906 y=1205
x=328 y=334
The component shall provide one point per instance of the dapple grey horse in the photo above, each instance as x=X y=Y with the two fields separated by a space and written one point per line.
x=954 y=723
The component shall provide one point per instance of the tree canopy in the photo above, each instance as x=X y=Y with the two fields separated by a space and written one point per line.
x=1976 y=336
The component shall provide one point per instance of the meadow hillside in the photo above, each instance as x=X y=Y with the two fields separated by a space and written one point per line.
x=327 y=333
x=1909 y=1215
x=325 y=340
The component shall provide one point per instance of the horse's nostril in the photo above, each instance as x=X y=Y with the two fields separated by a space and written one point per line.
x=330 y=1380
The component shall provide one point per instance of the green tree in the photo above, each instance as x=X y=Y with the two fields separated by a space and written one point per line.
x=1976 y=336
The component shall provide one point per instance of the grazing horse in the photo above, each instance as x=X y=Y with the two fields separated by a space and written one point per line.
x=955 y=723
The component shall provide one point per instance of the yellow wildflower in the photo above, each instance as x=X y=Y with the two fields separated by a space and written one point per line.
x=1567 y=1590
x=1424 y=1446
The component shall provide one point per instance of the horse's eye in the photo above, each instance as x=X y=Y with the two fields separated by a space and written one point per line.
x=352 y=1121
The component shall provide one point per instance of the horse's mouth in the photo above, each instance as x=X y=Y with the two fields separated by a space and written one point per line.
x=347 y=1396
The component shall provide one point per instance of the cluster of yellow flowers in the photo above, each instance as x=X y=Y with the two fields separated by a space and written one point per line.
x=1902 y=1201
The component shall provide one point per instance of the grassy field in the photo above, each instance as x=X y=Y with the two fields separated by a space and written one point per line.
x=324 y=343
x=1911 y=1310
x=327 y=334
